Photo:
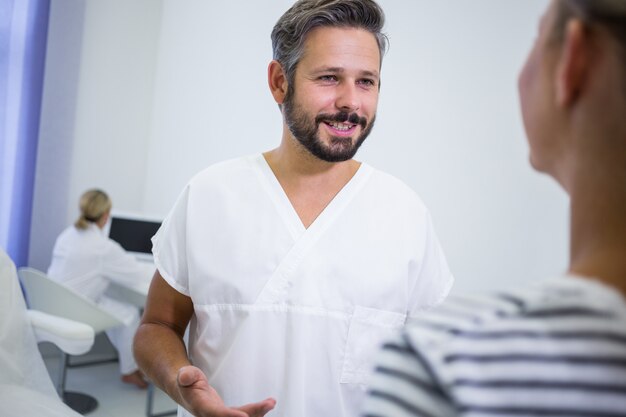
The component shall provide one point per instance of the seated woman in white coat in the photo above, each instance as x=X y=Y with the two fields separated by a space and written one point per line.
x=87 y=261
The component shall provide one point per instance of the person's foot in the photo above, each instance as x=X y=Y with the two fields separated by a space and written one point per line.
x=136 y=379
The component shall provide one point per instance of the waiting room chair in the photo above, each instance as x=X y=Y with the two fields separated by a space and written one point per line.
x=25 y=385
x=49 y=296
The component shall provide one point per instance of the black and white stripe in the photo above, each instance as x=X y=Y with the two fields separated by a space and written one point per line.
x=555 y=350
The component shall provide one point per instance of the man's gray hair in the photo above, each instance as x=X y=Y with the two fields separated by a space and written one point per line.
x=291 y=30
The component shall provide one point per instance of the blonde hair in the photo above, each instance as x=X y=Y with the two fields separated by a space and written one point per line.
x=93 y=205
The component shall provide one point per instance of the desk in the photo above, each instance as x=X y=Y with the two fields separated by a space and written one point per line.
x=132 y=294
x=137 y=292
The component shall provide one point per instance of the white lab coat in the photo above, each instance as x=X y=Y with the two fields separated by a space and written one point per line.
x=87 y=261
x=289 y=312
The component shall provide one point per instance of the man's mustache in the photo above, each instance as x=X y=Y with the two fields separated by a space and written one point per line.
x=342 y=117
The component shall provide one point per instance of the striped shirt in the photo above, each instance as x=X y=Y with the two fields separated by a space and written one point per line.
x=555 y=349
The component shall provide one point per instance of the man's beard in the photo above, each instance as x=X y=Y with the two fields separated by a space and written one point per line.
x=306 y=131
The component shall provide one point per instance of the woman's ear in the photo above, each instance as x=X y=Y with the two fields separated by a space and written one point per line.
x=573 y=64
x=277 y=81
x=104 y=219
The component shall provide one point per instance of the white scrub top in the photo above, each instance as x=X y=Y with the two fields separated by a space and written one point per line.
x=290 y=312
x=87 y=261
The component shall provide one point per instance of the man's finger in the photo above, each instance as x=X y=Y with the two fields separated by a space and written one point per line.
x=259 y=409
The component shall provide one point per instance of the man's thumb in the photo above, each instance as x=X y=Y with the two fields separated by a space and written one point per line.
x=188 y=375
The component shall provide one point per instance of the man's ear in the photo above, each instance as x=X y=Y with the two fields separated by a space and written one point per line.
x=573 y=64
x=277 y=81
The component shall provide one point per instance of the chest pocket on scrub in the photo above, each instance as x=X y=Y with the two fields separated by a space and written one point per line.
x=369 y=328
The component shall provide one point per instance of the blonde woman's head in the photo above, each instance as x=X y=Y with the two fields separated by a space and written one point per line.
x=94 y=206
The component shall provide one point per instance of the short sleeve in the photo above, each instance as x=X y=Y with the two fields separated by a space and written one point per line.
x=432 y=279
x=169 y=245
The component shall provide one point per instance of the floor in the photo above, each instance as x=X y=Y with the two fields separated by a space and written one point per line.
x=115 y=399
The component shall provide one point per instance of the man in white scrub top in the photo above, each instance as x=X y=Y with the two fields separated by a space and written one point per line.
x=289 y=267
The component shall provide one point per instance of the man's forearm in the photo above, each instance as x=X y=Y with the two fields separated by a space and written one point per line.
x=160 y=352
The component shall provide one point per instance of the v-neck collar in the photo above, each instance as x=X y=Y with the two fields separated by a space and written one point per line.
x=287 y=211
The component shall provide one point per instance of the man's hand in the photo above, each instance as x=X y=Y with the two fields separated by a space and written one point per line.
x=200 y=399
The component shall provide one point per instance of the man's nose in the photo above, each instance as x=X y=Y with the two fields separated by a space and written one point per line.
x=348 y=98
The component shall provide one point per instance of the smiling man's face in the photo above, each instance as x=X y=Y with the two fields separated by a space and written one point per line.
x=331 y=108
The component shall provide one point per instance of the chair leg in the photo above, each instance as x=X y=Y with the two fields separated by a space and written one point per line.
x=62 y=373
x=150 y=404
x=150 y=399
x=79 y=402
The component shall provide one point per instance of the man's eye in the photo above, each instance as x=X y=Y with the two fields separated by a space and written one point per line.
x=328 y=78
x=367 y=82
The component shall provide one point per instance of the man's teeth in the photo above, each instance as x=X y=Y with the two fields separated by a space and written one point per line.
x=340 y=126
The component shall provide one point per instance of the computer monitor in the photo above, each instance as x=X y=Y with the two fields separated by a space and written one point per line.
x=134 y=233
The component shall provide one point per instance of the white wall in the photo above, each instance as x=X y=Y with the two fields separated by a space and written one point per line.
x=97 y=109
x=114 y=109
x=448 y=120
x=51 y=201
x=211 y=96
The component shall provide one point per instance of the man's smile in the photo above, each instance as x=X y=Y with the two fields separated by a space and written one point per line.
x=341 y=129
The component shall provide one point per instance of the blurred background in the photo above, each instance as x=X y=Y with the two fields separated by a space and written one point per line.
x=137 y=96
